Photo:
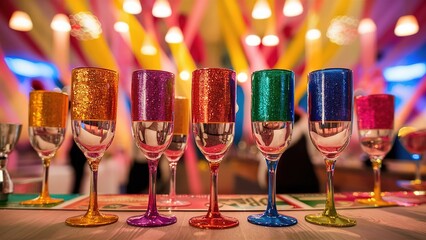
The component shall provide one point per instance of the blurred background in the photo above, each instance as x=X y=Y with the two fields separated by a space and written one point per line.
x=382 y=41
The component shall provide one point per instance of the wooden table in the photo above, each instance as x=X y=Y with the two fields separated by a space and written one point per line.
x=373 y=223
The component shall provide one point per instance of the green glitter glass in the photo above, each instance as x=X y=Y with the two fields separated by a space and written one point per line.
x=272 y=95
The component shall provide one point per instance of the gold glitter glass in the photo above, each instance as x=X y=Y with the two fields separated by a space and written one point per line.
x=47 y=122
x=93 y=114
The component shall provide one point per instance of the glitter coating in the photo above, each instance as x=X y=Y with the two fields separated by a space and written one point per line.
x=48 y=109
x=152 y=95
x=94 y=94
x=272 y=95
x=375 y=111
x=330 y=94
x=213 y=95
x=181 y=124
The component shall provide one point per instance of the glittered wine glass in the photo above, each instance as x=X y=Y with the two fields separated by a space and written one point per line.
x=213 y=119
x=330 y=94
x=47 y=117
x=272 y=118
x=176 y=149
x=94 y=95
x=414 y=141
x=152 y=128
x=375 y=127
x=9 y=135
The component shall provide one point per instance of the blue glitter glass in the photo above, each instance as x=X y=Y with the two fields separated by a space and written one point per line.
x=330 y=95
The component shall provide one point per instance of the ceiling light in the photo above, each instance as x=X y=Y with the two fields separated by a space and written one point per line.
x=366 y=25
x=20 y=21
x=261 y=10
x=161 y=9
x=174 y=35
x=61 y=23
x=406 y=26
x=132 y=6
x=121 y=27
x=270 y=40
x=252 y=40
x=292 y=8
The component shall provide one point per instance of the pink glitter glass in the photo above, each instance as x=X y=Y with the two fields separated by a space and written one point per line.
x=375 y=111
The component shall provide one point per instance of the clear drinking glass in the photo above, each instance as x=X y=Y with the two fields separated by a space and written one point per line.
x=414 y=141
x=272 y=118
x=152 y=128
x=9 y=135
x=330 y=94
x=375 y=127
x=47 y=117
x=94 y=95
x=176 y=149
x=213 y=119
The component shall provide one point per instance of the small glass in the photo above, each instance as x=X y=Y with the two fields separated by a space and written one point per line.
x=414 y=141
x=213 y=120
x=272 y=119
x=152 y=129
x=9 y=135
x=176 y=149
x=94 y=95
x=330 y=94
x=375 y=127
x=48 y=113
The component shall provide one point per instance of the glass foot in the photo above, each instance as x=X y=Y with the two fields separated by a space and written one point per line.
x=414 y=185
x=332 y=221
x=219 y=222
x=40 y=200
x=91 y=220
x=153 y=220
x=376 y=202
x=272 y=221
x=173 y=203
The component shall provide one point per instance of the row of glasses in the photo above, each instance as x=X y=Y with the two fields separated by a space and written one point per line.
x=94 y=105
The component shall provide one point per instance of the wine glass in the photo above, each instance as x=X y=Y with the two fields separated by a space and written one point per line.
x=176 y=149
x=414 y=141
x=94 y=94
x=330 y=94
x=272 y=118
x=213 y=119
x=152 y=129
x=47 y=123
x=9 y=135
x=375 y=127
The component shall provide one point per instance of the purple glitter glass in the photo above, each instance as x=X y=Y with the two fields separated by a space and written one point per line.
x=149 y=88
x=375 y=111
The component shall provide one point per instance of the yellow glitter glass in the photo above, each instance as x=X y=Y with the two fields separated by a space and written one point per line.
x=47 y=118
x=94 y=94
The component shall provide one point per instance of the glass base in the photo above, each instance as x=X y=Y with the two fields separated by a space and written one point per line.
x=154 y=220
x=173 y=203
x=219 y=222
x=414 y=185
x=42 y=201
x=91 y=220
x=376 y=202
x=332 y=221
x=272 y=221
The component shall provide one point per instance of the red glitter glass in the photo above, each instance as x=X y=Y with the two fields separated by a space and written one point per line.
x=213 y=119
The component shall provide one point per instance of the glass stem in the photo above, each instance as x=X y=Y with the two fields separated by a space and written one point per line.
x=45 y=184
x=271 y=209
x=330 y=209
x=152 y=201
x=213 y=211
x=172 y=192
x=418 y=178
x=93 y=197
x=377 y=165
